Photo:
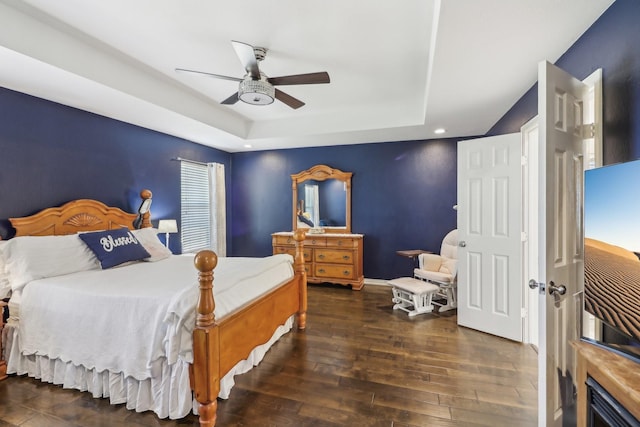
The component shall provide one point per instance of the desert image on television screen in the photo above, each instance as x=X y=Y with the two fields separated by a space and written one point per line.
x=612 y=246
x=612 y=285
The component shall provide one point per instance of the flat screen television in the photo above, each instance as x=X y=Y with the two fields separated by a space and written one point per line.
x=612 y=256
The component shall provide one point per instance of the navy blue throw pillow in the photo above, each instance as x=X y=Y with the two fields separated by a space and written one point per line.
x=114 y=247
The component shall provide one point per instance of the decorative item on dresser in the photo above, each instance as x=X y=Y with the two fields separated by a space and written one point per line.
x=321 y=205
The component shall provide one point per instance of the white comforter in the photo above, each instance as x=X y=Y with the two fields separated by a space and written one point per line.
x=128 y=319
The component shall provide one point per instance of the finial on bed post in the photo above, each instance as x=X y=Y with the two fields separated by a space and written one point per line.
x=146 y=216
x=206 y=342
x=299 y=236
x=205 y=262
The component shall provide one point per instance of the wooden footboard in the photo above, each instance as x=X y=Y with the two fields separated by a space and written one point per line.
x=218 y=346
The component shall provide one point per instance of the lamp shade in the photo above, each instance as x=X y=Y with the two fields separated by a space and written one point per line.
x=167 y=226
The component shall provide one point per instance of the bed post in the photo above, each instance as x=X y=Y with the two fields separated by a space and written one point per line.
x=206 y=349
x=146 y=215
x=299 y=236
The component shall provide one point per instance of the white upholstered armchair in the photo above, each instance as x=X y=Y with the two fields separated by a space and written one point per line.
x=442 y=270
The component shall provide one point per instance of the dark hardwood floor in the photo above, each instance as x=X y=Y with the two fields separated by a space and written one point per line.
x=359 y=363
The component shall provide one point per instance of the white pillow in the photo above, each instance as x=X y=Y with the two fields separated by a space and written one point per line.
x=148 y=238
x=5 y=286
x=29 y=258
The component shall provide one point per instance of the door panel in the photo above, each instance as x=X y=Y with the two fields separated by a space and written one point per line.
x=560 y=109
x=489 y=224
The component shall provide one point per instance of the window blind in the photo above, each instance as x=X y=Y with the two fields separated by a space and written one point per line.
x=195 y=207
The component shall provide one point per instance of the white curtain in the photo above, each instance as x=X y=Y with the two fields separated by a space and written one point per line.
x=218 y=208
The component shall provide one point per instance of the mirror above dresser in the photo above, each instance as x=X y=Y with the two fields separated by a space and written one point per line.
x=321 y=204
x=322 y=200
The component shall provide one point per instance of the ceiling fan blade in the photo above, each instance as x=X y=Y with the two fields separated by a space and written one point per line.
x=300 y=79
x=288 y=99
x=247 y=57
x=217 y=76
x=231 y=100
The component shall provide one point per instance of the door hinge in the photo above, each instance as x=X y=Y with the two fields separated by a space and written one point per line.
x=588 y=131
x=523 y=160
x=523 y=312
x=524 y=236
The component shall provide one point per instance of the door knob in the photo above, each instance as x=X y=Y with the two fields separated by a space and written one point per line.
x=557 y=290
x=462 y=244
x=533 y=284
x=540 y=285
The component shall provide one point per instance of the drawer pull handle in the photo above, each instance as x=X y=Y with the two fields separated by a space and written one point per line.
x=339 y=242
x=321 y=256
x=321 y=270
x=289 y=240
x=345 y=257
x=346 y=272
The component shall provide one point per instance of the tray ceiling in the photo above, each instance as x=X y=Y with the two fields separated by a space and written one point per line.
x=398 y=70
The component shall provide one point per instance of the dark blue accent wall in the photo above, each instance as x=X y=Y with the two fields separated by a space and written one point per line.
x=613 y=44
x=50 y=154
x=402 y=197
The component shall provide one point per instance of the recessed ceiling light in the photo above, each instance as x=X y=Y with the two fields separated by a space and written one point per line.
x=439 y=131
x=247 y=145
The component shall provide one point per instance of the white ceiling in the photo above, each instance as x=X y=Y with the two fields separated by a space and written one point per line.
x=398 y=70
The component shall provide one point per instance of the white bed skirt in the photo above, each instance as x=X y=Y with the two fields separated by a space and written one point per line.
x=168 y=394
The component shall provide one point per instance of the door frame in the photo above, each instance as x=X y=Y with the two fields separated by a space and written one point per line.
x=530 y=199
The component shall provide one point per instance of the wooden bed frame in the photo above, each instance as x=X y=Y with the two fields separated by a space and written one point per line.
x=218 y=345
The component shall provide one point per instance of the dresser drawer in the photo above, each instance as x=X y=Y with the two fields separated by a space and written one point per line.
x=320 y=242
x=292 y=252
x=334 y=271
x=283 y=240
x=333 y=256
x=342 y=242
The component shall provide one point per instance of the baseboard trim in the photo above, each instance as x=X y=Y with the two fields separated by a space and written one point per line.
x=375 y=282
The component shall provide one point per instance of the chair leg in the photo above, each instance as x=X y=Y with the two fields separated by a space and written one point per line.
x=421 y=304
x=450 y=298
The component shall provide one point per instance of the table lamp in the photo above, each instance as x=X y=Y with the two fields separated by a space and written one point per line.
x=167 y=226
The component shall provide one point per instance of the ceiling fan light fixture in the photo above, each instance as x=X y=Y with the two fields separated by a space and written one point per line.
x=256 y=92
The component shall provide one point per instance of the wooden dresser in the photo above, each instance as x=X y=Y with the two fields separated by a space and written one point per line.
x=332 y=258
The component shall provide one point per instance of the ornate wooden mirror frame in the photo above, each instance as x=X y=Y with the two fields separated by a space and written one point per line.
x=323 y=173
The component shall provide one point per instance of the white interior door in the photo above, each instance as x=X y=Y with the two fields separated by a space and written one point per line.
x=489 y=230
x=561 y=105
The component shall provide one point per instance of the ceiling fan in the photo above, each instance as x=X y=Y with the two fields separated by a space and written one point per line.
x=255 y=87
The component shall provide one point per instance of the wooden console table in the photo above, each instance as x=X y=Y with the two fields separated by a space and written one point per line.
x=618 y=375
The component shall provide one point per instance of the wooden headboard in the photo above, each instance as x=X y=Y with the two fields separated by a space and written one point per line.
x=79 y=215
